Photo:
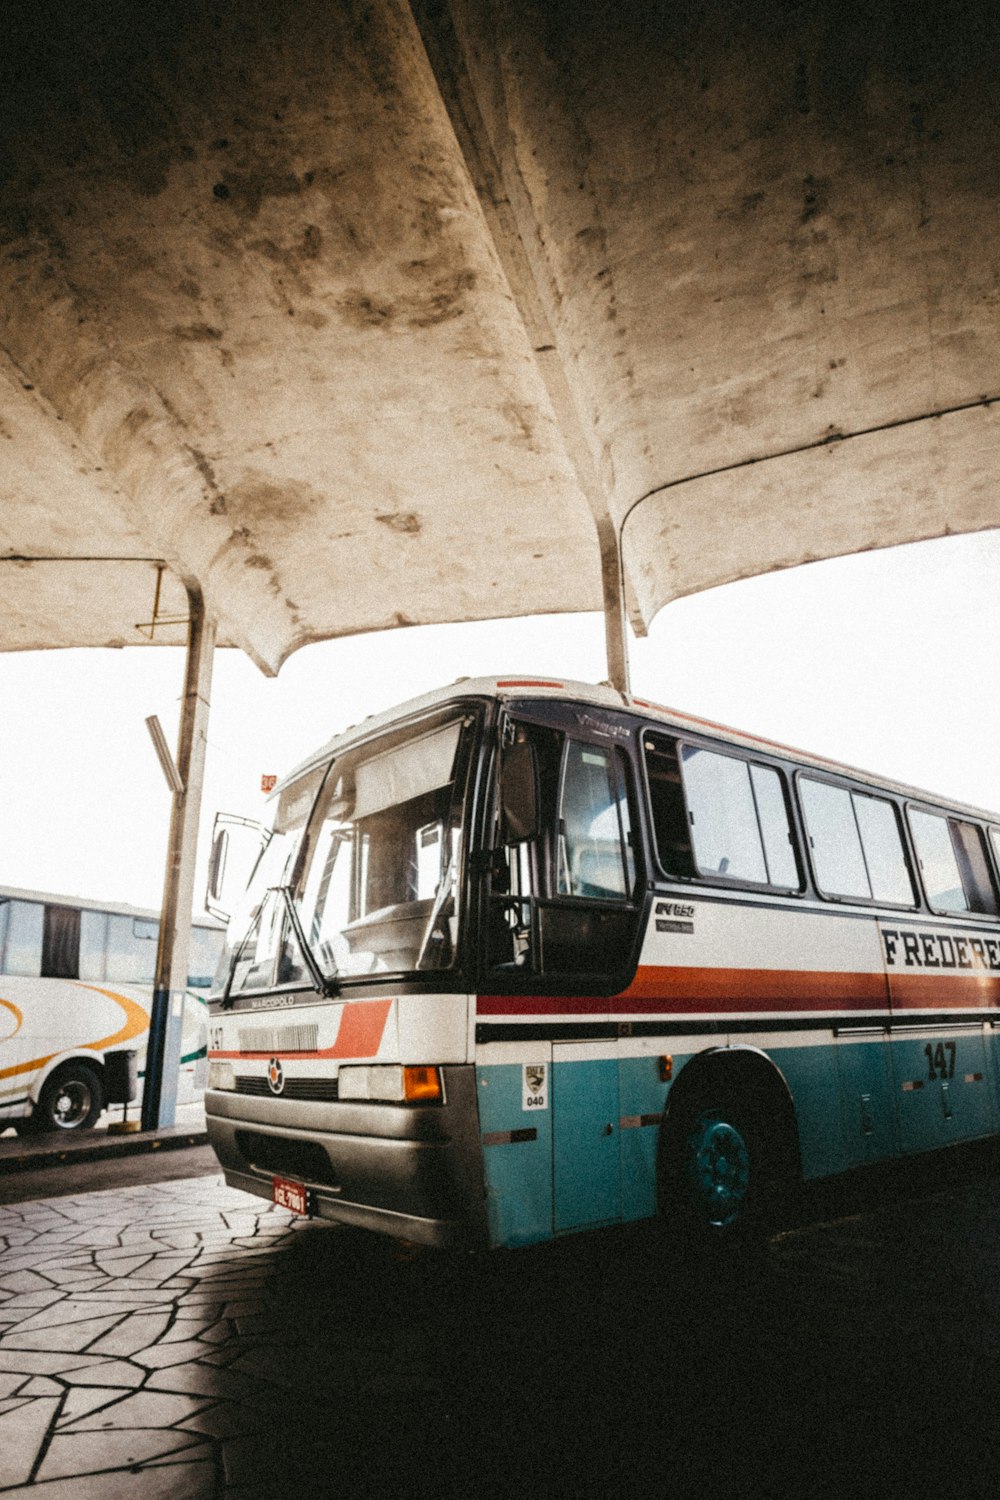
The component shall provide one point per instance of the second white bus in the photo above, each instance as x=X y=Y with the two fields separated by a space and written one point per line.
x=76 y=982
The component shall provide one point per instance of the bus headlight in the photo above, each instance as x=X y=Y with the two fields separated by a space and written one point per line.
x=221 y=1075
x=392 y=1084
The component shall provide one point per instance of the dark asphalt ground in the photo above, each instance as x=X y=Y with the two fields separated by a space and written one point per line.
x=855 y=1355
x=112 y=1172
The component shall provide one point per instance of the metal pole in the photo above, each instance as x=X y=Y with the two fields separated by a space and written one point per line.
x=163 y=1053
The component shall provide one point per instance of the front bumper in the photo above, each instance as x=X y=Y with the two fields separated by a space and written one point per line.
x=411 y=1171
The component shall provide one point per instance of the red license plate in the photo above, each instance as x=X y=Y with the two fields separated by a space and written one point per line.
x=291 y=1195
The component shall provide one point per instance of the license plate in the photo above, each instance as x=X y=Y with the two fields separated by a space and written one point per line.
x=291 y=1195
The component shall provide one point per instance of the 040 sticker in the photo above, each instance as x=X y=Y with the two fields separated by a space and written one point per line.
x=535 y=1086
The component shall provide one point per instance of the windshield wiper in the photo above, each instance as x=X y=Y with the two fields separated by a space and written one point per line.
x=444 y=892
x=326 y=984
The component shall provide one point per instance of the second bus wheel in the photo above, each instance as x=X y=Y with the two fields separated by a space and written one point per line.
x=71 y=1099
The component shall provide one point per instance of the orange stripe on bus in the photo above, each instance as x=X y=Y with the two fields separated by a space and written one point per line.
x=28 y=1067
x=362 y=1026
x=18 y=1019
x=136 y=1021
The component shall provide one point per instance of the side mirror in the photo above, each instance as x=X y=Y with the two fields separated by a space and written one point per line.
x=217 y=866
x=518 y=793
x=230 y=863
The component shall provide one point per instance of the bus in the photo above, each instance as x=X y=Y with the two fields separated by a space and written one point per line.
x=76 y=982
x=526 y=957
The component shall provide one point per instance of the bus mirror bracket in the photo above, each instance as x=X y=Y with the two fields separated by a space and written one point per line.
x=519 y=793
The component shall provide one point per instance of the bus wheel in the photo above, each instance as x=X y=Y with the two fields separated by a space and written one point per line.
x=71 y=1099
x=716 y=1181
x=717 y=1171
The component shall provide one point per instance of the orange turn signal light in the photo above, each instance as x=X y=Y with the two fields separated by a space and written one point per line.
x=666 y=1068
x=422 y=1085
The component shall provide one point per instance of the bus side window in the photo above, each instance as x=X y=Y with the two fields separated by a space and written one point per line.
x=131 y=950
x=94 y=945
x=834 y=839
x=972 y=862
x=61 y=943
x=888 y=871
x=594 y=855
x=994 y=844
x=952 y=863
x=21 y=938
x=670 y=825
x=723 y=817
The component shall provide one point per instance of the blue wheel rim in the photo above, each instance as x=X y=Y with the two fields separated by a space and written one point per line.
x=718 y=1170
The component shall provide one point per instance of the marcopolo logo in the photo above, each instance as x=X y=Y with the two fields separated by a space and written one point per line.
x=275 y=1076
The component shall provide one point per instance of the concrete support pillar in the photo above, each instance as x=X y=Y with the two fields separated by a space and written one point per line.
x=163 y=1054
x=509 y=215
x=615 y=616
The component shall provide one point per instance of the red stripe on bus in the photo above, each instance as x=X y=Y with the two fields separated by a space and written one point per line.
x=948 y=991
x=732 y=991
x=757 y=989
x=715 y=991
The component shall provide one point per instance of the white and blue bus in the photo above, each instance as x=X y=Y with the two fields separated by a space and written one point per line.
x=527 y=957
x=76 y=982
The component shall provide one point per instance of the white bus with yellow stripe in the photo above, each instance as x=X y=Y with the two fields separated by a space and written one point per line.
x=75 y=985
x=525 y=957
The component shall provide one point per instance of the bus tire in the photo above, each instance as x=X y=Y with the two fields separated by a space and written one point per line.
x=720 y=1182
x=71 y=1099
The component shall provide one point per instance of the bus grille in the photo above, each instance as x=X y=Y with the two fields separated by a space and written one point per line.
x=295 y=1088
x=293 y=1038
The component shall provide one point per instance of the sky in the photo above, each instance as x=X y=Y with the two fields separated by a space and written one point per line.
x=886 y=661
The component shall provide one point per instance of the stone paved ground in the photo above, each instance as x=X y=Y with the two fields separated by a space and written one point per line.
x=184 y=1340
x=122 y=1316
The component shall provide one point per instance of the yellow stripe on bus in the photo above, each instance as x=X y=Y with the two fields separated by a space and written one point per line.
x=136 y=1021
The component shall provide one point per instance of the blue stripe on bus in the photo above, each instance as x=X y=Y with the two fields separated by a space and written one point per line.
x=856 y=1102
x=518 y=1173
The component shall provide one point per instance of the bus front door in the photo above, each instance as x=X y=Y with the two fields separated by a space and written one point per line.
x=586 y=1158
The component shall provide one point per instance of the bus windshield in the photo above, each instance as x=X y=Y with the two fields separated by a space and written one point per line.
x=380 y=892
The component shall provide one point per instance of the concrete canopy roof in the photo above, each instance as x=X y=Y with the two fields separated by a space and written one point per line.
x=364 y=314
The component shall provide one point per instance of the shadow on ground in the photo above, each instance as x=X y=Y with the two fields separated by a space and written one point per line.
x=183 y=1340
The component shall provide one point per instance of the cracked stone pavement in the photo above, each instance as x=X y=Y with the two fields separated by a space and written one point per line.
x=127 y=1320
x=183 y=1340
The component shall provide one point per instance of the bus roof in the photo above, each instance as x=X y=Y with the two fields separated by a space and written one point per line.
x=115 y=908
x=521 y=686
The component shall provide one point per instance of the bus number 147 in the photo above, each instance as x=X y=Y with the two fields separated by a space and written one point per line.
x=938 y=1065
